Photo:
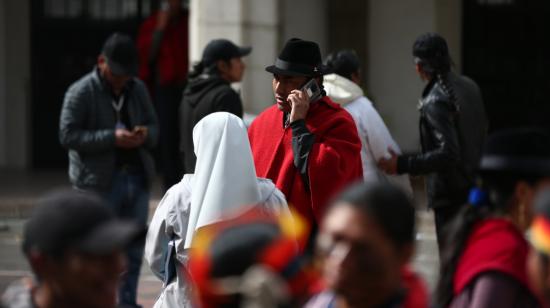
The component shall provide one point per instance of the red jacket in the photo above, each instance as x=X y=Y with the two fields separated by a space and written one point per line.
x=172 y=61
x=333 y=163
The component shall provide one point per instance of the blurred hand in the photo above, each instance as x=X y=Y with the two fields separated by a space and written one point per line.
x=126 y=139
x=299 y=104
x=389 y=165
x=163 y=18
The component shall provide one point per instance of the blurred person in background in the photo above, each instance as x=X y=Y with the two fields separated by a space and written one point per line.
x=109 y=127
x=539 y=255
x=308 y=146
x=162 y=43
x=75 y=248
x=209 y=90
x=342 y=86
x=453 y=127
x=365 y=244
x=223 y=186
x=251 y=261
x=486 y=265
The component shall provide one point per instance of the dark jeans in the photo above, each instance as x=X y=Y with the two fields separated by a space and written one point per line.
x=129 y=198
x=443 y=219
x=167 y=101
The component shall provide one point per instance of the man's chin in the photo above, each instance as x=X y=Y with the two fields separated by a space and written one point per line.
x=283 y=107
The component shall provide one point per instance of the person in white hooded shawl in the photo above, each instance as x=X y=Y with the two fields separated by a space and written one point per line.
x=342 y=87
x=223 y=186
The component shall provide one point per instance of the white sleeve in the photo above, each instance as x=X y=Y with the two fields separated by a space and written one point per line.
x=277 y=203
x=379 y=137
x=159 y=233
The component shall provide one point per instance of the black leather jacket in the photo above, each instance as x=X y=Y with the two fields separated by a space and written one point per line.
x=452 y=133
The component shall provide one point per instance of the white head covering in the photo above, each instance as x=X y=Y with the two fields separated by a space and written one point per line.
x=225 y=180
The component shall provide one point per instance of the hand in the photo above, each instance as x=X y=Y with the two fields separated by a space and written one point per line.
x=299 y=104
x=389 y=165
x=126 y=139
x=163 y=18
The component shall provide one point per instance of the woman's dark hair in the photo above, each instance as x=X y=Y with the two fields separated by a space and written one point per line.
x=500 y=189
x=200 y=68
x=387 y=204
x=344 y=62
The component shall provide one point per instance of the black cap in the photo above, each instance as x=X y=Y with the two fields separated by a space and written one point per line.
x=222 y=49
x=69 y=219
x=121 y=54
x=299 y=58
x=518 y=150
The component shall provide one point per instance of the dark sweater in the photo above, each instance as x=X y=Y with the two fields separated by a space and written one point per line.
x=203 y=95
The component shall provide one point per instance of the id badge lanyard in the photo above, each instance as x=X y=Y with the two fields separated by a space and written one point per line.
x=118 y=107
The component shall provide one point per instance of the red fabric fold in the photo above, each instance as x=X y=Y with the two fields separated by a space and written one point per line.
x=334 y=161
x=493 y=245
x=172 y=61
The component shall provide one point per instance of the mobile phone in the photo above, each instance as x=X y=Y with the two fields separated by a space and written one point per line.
x=139 y=129
x=312 y=90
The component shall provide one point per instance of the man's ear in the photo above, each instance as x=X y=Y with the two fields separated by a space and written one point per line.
x=356 y=78
x=100 y=60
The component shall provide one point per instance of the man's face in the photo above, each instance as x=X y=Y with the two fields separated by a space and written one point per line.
x=282 y=86
x=117 y=82
x=89 y=281
x=358 y=257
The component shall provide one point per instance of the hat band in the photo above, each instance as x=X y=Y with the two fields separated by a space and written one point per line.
x=532 y=165
x=296 y=67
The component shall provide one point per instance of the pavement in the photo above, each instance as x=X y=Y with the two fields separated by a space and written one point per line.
x=19 y=190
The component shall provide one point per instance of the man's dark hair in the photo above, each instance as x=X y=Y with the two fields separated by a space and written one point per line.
x=344 y=62
x=388 y=205
x=431 y=52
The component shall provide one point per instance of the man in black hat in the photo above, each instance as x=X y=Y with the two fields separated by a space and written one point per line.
x=209 y=90
x=306 y=144
x=74 y=245
x=109 y=127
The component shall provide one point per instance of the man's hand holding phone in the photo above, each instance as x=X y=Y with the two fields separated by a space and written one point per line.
x=299 y=104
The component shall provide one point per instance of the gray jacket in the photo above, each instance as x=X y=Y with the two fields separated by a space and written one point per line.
x=87 y=130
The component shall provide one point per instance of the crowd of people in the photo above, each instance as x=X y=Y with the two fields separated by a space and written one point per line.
x=310 y=206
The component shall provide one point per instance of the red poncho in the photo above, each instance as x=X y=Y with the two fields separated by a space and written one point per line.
x=172 y=62
x=334 y=160
x=494 y=245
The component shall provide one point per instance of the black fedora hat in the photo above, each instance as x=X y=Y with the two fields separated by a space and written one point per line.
x=299 y=58
x=518 y=150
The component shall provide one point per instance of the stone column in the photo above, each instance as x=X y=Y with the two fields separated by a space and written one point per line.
x=245 y=22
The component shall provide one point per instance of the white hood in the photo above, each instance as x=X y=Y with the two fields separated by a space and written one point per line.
x=224 y=183
x=341 y=90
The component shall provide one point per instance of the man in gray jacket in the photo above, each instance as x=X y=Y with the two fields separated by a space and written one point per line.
x=109 y=126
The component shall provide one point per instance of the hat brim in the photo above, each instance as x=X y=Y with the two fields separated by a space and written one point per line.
x=244 y=51
x=111 y=236
x=321 y=70
x=122 y=70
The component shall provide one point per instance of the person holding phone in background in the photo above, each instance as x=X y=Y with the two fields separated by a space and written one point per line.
x=305 y=143
x=109 y=127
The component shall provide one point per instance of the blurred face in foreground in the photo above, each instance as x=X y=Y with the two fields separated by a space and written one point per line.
x=81 y=280
x=360 y=263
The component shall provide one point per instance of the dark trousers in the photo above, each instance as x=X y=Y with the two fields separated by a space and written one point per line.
x=443 y=219
x=129 y=199
x=167 y=101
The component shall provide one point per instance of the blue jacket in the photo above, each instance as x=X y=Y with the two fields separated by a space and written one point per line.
x=87 y=130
